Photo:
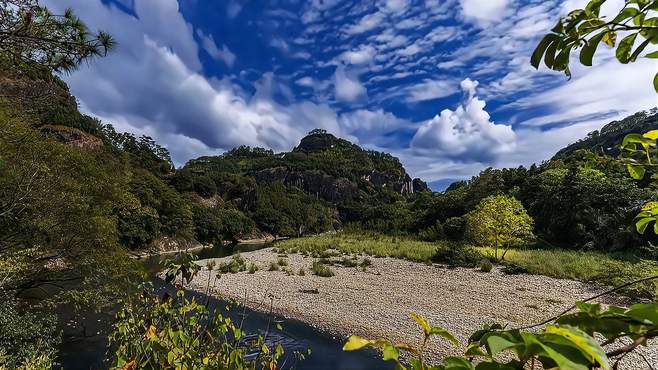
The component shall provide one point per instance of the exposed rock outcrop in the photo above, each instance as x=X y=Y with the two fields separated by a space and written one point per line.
x=72 y=136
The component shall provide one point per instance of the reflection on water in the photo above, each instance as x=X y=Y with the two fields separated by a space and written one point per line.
x=153 y=263
x=296 y=336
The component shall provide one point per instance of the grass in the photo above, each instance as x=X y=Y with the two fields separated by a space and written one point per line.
x=602 y=268
x=597 y=267
x=320 y=269
x=357 y=243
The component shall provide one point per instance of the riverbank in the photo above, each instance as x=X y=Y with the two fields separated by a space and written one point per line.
x=376 y=302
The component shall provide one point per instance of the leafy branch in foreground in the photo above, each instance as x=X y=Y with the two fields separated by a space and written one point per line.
x=586 y=29
x=568 y=343
x=179 y=332
x=30 y=35
x=640 y=154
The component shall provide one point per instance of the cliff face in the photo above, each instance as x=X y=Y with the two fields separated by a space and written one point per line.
x=316 y=183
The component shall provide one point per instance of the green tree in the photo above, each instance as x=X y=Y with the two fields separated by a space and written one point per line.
x=33 y=37
x=500 y=222
x=586 y=29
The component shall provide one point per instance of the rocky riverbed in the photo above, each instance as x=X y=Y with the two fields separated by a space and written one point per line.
x=377 y=302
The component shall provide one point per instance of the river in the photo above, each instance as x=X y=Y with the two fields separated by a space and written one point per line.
x=326 y=353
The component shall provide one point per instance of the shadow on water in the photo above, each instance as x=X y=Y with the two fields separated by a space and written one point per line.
x=295 y=336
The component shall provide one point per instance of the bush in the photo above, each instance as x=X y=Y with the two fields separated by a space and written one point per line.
x=320 y=269
x=486 y=265
x=273 y=266
x=514 y=269
x=454 y=228
x=282 y=261
x=457 y=255
x=237 y=264
x=27 y=339
x=175 y=331
x=253 y=268
x=432 y=233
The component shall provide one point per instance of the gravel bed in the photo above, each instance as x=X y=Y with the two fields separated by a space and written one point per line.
x=375 y=303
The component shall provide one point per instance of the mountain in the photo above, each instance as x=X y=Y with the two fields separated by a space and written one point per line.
x=612 y=134
x=328 y=169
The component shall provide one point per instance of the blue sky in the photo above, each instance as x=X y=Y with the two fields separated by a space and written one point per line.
x=445 y=85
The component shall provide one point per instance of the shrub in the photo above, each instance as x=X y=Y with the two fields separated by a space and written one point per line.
x=432 y=233
x=273 y=266
x=282 y=261
x=175 y=331
x=348 y=262
x=514 y=269
x=27 y=338
x=454 y=228
x=320 y=269
x=486 y=265
x=237 y=264
x=253 y=268
x=457 y=255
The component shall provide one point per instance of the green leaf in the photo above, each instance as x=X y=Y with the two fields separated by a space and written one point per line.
x=636 y=172
x=653 y=55
x=443 y=333
x=587 y=53
x=639 y=50
x=624 y=49
x=355 y=343
x=390 y=352
x=642 y=223
x=422 y=322
x=651 y=135
x=625 y=14
x=646 y=313
x=457 y=363
x=655 y=82
x=541 y=48
x=584 y=342
x=500 y=341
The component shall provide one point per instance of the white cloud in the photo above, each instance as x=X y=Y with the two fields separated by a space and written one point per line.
x=466 y=133
x=484 y=11
x=305 y=81
x=609 y=87
x=428 y=90
x=347 y=88
x=224 y=54
x=397 y=6
x=367 y=23
x=372 y=127
x=360 y=56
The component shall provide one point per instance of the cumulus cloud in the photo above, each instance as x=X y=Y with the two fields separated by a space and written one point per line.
x=147 y=86
x=484 y=12
x=347 y=88
x=466 y=133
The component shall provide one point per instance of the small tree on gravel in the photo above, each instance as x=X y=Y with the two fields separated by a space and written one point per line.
x=500 y=222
